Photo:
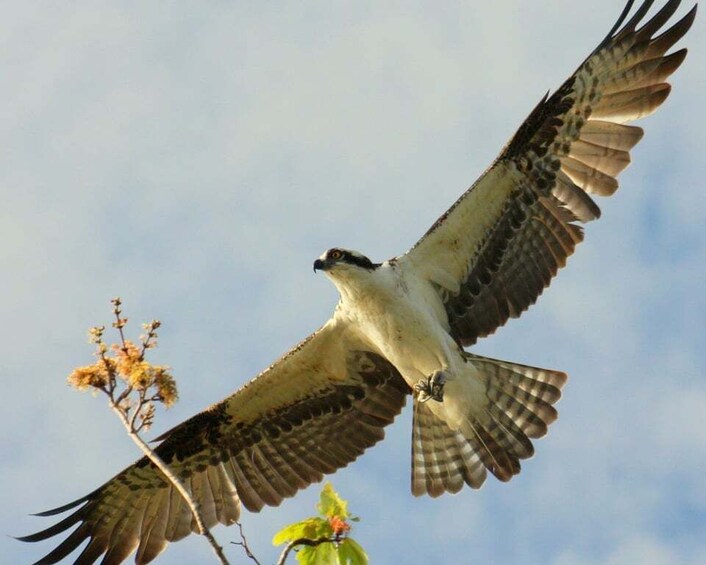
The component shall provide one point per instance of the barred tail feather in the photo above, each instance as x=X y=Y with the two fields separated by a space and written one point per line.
x=518 y=405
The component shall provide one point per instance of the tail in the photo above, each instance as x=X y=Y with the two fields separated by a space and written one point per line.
x=517 y=406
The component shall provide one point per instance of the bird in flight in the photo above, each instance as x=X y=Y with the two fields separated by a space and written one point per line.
x=401 y=327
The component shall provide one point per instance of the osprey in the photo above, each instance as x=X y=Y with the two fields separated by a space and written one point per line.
x=401 y=326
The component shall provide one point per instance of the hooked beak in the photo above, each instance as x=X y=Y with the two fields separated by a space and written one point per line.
x=319 y=265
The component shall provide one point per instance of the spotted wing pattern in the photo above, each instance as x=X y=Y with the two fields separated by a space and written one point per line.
x=314 y=411
x=496 y=249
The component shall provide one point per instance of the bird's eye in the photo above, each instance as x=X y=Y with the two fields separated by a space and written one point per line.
x=336 y=254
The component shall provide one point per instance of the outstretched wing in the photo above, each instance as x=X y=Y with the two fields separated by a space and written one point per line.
x=495 y=250
x=312 y=412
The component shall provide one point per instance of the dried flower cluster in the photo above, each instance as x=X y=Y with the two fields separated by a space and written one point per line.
x=124 y=364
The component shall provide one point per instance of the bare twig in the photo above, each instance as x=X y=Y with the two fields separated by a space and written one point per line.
x=119 y=323
x=244 y=544
x=304 y=541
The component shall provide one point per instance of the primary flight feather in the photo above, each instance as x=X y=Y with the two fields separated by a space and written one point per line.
x=400 y=329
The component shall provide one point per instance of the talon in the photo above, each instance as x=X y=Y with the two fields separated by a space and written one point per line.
x=431 y=388
x=423 y=390
x=437 y=381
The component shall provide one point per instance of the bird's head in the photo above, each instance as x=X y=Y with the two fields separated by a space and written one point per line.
x=340 y=261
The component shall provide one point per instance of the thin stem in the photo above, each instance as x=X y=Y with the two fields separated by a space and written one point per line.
x=174 y=480
x=119 y=322
x=112 y=382
x=302 y=541
x=151 y=329
x=131 y=423
x=244 y=544
x=124 y=394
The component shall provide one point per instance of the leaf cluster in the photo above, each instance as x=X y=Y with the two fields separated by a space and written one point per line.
x=324 y=539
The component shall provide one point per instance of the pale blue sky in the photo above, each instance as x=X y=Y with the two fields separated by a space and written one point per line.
x=196 y=158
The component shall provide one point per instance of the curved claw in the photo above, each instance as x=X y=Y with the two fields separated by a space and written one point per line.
x=431 y=388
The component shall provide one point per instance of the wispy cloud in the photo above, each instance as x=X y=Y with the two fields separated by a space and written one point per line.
x=196 y=159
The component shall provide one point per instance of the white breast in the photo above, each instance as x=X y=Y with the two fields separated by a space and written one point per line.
x=402 y=316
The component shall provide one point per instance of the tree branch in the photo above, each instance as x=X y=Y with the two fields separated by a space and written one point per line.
x=128 y=363
x=303 y=541
x=172 y=478
x=244 y=544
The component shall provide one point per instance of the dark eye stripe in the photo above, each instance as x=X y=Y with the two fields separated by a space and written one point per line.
x=344 y=256
x=358 y=260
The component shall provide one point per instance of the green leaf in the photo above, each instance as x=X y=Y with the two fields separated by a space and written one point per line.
x=331 y=504
x=350 y=553
x=311 y=528
x=322 y=554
